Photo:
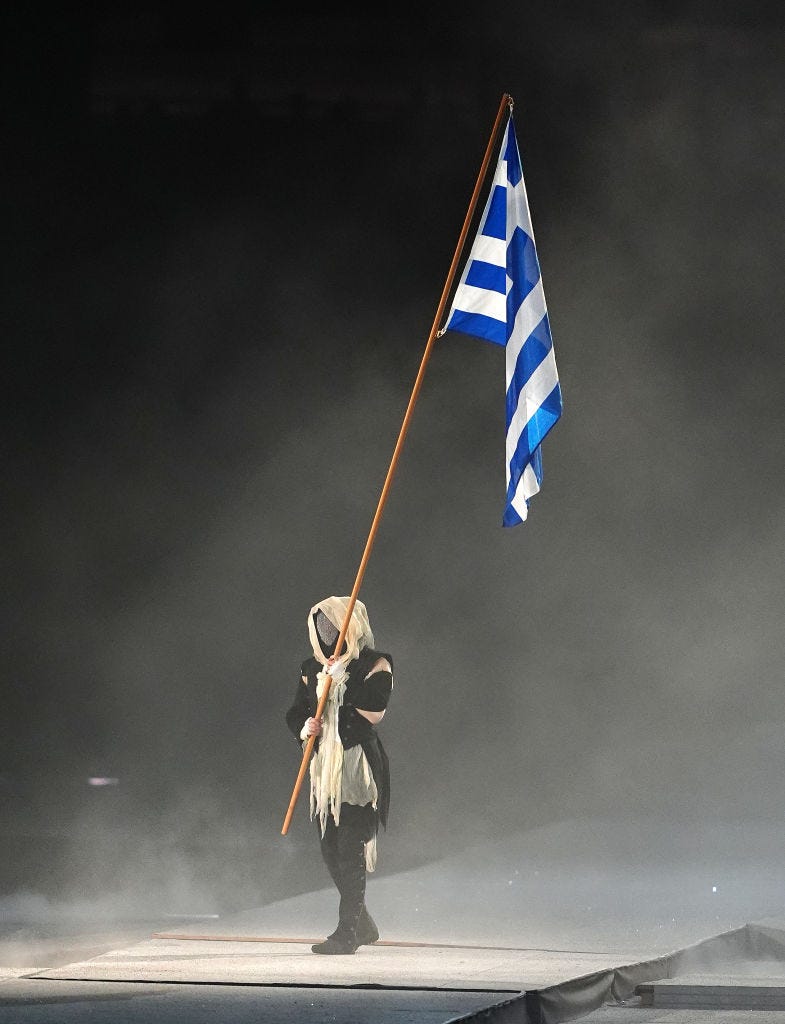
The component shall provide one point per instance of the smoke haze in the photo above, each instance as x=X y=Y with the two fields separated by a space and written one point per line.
x=214 y=323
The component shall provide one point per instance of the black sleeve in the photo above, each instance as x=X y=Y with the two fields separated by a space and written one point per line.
x=300 y=709
x=374 y=695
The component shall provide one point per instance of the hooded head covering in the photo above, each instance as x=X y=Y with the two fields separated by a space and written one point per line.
x=358 y=635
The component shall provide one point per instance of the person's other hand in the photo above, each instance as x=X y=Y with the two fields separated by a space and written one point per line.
x=313 y=727
x=336 y=669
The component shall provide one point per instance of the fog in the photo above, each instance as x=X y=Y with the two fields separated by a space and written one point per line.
x=214 y=324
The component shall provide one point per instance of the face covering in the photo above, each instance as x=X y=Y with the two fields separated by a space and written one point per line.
x=327 y=633
x=331 y=613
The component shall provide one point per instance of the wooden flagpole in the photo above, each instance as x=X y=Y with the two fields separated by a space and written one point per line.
x=506 y=101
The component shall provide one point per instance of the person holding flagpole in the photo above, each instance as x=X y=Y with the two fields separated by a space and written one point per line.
x=350 y=776
x=499 y=298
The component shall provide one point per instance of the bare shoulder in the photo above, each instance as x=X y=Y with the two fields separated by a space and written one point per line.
x=382 y=665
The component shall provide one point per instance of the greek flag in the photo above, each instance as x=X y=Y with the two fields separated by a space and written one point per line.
x=500 y=299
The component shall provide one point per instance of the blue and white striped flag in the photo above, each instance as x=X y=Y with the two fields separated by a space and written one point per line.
x=500 y=299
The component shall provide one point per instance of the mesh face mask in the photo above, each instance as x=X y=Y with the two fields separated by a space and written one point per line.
x=327 y=633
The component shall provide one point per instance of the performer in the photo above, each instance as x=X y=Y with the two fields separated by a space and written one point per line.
x=350 y=777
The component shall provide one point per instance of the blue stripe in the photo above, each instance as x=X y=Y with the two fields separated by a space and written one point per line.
x=537 y=428
x=495 y=225
x=523 y=269
x=511 y=155
x=534 y=350
x=511 y=517
x=488 y=276
x=479 y=325
x=532 y=437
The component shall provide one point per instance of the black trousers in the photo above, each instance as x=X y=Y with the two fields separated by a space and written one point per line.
x=343 y=851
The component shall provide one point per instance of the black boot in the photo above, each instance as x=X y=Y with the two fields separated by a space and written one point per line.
x=348 y=870
x=352 y=901
x=336 y=944
x=367 y=932
x=343 y=849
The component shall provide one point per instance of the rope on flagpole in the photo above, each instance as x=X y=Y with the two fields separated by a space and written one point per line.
x=506 y=100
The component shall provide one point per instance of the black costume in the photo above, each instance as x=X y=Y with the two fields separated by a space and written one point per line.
x=343 y=845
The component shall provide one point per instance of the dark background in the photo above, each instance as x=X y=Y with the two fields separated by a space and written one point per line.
x=226 y=232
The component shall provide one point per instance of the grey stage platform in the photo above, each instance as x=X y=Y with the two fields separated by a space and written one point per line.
x=548 y=925
x=742 y=970
x=520 y=984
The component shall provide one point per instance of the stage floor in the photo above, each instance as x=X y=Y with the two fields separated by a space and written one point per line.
x=286 y=963
x=547 y=925
x=422 y=983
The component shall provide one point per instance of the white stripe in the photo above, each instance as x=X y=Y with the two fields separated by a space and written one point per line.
x=500 y=177
x=470 y=299
x=529 y=482
x=527 y=487
x=519 y=503
x=531 y=311
x=489 y=250
x=533 y=394
x=518 y=209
